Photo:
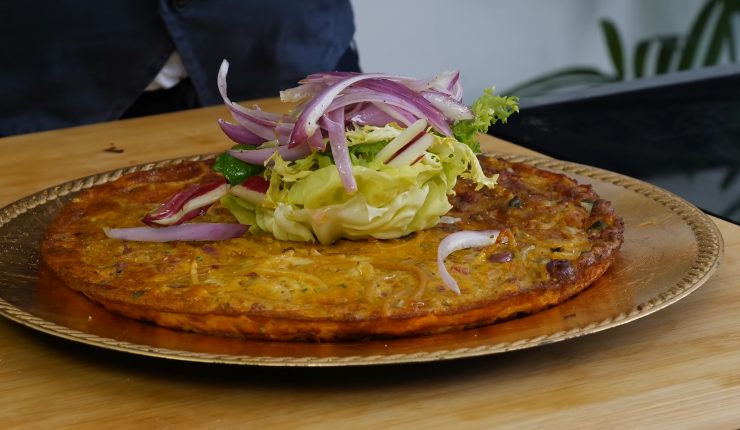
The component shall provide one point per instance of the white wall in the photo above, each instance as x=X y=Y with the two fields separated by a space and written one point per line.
x=503 y=43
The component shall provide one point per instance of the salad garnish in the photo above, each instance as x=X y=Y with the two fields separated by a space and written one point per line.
x=362 y=155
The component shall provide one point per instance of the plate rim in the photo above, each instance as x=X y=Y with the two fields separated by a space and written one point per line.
x=706 y=234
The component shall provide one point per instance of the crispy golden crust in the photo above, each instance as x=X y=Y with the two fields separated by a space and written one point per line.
x=560 y=237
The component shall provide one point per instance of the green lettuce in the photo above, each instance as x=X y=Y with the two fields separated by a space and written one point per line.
x=307 y=201
x=487 y=110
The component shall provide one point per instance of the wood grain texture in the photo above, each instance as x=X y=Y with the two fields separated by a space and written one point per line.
x=678 y=368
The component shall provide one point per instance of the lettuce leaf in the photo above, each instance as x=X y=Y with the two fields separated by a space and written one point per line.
x=413 y=209
x=307 y=201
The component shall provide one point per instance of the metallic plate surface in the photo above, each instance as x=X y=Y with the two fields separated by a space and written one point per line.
x=670 y=249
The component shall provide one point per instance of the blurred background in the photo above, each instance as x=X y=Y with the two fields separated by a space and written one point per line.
x=505 y=43
x=650 y=89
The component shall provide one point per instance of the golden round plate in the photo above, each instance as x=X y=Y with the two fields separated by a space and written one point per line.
x=670 y=249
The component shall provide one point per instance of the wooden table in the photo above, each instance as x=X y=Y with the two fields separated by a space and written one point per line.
x=678 y=368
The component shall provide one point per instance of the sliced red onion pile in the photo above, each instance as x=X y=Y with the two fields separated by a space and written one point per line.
x=457 y=241
x=330 y=102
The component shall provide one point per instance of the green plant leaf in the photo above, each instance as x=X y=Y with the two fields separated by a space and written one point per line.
x=641 y=52
x=666 y=52
x=731 y=46
x=719 y=35
x=688 y=55
x=561 y=79
x=729 y=178
x=614 y=44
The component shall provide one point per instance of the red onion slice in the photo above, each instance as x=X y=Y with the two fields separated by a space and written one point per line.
x=450 y=107
x=187 y=204
x=222 y=89
x=245 y=117
x=326 y=78
x=334 y=123
x=221 y=83
x=447 y=82
x=264 y=117
x=182 y=232
x=316 y=141
x=457 y=241
x=396 y=107
x=282 y=132
x=239 y=134
x=253 y=124
x=398 y=114
x=307 y=122
x=369 y=115
x=259 y=156
x=329 y=78
x=432 y=114
x=301 y=92
x=455 y=87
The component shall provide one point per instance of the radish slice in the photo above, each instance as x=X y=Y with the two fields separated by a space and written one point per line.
x=187 y=204
x=198 y=231
x=457 y=241
x=253 y=190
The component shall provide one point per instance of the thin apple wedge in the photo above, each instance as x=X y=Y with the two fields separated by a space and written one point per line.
x=414 y=131
x=412 y=152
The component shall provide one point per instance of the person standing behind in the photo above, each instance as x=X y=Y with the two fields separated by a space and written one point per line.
x=71 y=62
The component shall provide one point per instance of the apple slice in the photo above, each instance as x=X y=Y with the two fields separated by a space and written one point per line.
x=252 y=190
x=412 y=152
x=413 y=132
